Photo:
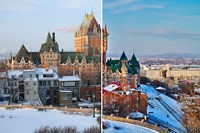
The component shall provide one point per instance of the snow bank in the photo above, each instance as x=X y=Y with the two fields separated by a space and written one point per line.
x=27 y=120
x=120 y=127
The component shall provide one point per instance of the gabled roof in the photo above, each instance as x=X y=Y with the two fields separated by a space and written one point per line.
x=123 y=56
x=22 y=52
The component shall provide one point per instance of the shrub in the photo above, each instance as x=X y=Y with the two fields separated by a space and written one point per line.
x=93 y=129
x=47 y=129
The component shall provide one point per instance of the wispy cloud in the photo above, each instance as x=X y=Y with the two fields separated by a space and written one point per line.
x=117 y=3
x=71 y=4
x=137 y=7
x=18 y=5
x=165 y=33
x=68 y=29
x=121 y=6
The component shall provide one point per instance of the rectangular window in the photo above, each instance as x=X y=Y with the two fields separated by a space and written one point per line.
x=34 y=92
x=26 y=92
x=34 y=84
x=63 y=96
x=48 y=82
x=40 y=83
x=26 y=84
x=55 y=83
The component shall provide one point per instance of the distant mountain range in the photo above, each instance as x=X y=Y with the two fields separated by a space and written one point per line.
x=165 y=55
x=117 y=55
x=5 y=55
x=173 y=55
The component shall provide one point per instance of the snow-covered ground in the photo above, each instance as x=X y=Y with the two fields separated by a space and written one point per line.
x=27 y=120
x=156 y=109
x=121 y=127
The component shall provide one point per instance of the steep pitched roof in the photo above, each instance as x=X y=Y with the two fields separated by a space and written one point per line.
x=123 y=56
x=89 y=21
x=22 y=52
x=50 y=43
x=105 y=30
x=133 y=61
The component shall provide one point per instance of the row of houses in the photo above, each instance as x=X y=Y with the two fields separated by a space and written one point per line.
x=40 y=84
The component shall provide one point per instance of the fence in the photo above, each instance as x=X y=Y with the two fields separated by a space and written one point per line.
x=135 y=122
x=44 y=108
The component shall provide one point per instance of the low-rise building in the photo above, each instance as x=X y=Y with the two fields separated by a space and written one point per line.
x=30 y=85
x=48 y=86
x=65 y=97
x=69 y=84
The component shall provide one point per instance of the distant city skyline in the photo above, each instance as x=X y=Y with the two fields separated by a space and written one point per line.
x=152 y=27
x=28 y=22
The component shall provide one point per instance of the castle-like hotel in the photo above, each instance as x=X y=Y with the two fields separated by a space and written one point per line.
x=85 y=61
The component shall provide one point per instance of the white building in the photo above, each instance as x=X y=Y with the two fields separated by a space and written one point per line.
x=30 y=85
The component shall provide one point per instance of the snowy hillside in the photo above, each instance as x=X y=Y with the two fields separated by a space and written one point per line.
x=120 y=127
x=27 y=120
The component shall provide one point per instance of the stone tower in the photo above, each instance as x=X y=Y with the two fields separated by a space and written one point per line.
x=49 y=52
x=88 y=38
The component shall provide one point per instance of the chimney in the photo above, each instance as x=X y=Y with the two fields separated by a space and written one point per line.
x=53 y=36
x=62 y=50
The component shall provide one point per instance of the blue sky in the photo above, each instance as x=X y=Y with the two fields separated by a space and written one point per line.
x=28 y=22
x=152 y=27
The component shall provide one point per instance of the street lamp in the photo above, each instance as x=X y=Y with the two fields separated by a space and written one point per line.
x=93 y=105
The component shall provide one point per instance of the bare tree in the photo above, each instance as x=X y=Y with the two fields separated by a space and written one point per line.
x=191 y=117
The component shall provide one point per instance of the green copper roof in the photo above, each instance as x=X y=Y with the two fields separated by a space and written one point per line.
x=123 y=56
x=112 y=62
x=134 y=62
x=72 y=55
x=130 y=70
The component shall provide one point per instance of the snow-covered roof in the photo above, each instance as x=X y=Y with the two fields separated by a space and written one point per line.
x=69 y=78
x=48 y=71
x=65 y=91
x=160 y=88
x=111 y=87
x=136 y=115
x=30 y=79
x=41 y=71
x=15 y=73
x=29 y=70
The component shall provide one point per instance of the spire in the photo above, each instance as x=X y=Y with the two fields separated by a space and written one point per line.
x=134 y=61
x=10 y=54
x=123 y=56
x=105 y=30
x=48 y=39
